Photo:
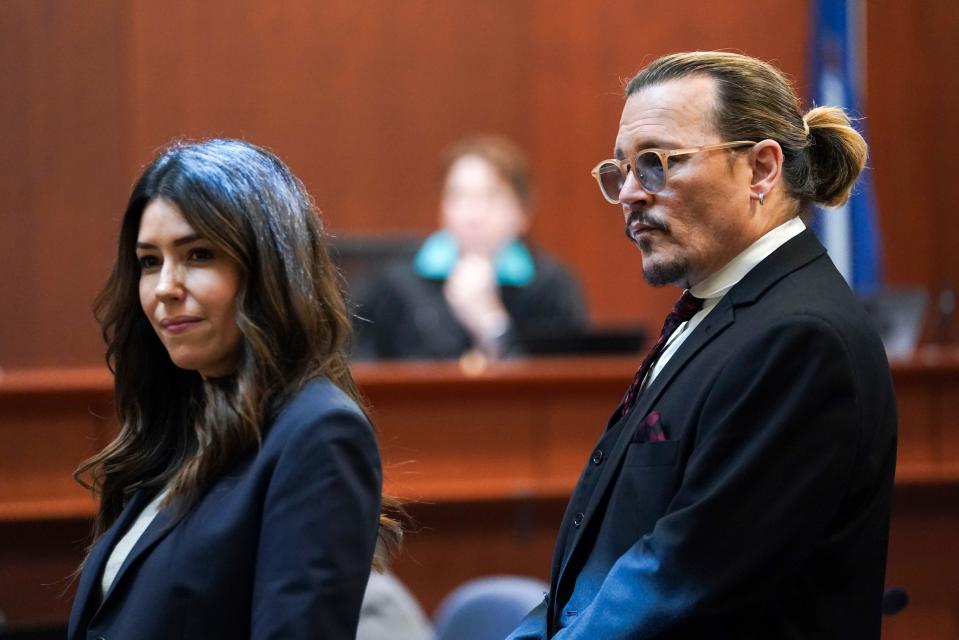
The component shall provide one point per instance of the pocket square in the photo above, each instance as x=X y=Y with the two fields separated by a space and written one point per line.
x=650 y=429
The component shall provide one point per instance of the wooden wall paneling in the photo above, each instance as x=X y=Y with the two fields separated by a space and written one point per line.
x=458 y=69
x=286 y=76
x=21 y=68
x=37 y=559
x=571 y=426
x=947 y=426
x=456 y=542
x=927 y=394
x=359 y=99
x=922 y=543
x=486 y=463
x=577 y=99
x=583 y=53
x=64 y=138
x=941 y=163
x=32 y=478
x=524 y=436
x=50 y=420
x=423 y=450
x=902 y=86
x=918 y=437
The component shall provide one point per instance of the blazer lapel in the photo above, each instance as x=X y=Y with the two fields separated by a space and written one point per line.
x=158 y=528
x=87 y=600
x=711 y=327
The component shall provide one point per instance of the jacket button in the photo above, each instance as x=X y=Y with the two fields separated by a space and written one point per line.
x=578 y=519
x=597 y=456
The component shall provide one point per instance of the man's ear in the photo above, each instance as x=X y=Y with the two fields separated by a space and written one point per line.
x=767 y=165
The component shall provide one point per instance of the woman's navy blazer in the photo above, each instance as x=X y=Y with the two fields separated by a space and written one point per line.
x=279 y=547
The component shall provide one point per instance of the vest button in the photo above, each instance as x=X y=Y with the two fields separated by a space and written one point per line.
x=597 y=456
x=578 y=519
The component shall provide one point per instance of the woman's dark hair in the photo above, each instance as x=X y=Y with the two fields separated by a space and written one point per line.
x=176 y=428
x=823 y=154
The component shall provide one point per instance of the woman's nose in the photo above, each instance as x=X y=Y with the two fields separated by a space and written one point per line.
x=170 y=283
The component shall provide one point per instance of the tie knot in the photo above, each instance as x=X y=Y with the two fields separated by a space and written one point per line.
x=687 y=306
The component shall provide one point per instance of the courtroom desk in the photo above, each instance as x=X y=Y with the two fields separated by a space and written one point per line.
x=485 y=460
x=520 y=429
x=924 y=533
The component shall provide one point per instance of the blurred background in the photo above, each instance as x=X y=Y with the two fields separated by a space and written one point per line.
x=360 y=99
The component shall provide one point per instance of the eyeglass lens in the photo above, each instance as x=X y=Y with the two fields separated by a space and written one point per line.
x=648 y=170
x=611 y=181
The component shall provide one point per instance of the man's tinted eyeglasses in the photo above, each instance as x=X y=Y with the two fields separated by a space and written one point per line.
x=650 y=168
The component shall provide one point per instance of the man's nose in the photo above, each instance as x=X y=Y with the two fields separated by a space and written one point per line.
x=633 y=193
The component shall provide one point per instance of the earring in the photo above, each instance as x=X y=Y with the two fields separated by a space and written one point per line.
x=762 y=198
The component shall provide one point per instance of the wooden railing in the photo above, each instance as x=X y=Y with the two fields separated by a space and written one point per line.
x=485 y=456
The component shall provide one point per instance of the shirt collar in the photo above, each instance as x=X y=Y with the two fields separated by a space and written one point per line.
x=717 y=284
x=436 y=258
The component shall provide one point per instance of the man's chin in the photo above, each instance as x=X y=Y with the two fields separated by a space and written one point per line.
x=660 y=274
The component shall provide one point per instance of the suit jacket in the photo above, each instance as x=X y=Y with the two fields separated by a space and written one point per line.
x=279 y=547
x=765 y=513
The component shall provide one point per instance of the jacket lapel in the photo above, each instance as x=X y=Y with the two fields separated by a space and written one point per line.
x=711 y=327
x=158 y=528
x=87 y=599
x=89 y=586
x=792 y=255
x=714 y=324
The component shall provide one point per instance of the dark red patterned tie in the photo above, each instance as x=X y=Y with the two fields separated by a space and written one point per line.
x=684 y=309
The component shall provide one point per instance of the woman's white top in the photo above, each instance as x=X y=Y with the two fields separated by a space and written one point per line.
x=126 y=543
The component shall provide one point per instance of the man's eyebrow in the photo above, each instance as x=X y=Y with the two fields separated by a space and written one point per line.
x=662 y=143
x=176 y=243
x=650 y=143
x=658 y=143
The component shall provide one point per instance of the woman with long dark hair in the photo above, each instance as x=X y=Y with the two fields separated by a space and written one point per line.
x=242 y=495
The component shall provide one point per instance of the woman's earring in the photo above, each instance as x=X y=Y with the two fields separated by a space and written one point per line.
x=762 y=198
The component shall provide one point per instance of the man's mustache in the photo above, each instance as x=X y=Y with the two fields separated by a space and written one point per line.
x=644 y=219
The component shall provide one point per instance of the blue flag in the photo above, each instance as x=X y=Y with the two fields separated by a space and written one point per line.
x=850 y=232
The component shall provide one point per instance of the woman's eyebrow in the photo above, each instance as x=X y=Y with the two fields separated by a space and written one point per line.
x=176 y=243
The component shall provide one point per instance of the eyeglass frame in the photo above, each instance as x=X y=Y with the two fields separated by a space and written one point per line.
x=664 y=155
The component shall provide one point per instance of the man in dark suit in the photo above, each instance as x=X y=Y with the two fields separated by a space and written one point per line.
x=742 y=488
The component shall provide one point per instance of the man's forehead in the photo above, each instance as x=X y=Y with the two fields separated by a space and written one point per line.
x=671 y=113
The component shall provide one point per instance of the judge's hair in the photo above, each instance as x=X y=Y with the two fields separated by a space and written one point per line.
x=506 y=158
